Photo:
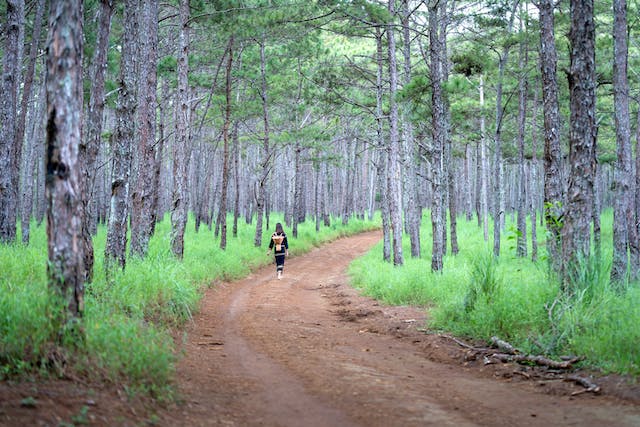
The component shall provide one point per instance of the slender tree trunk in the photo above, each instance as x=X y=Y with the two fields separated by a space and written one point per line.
x=576 y=231
x=521 y=249
x=66 y=268
x=297 y=195
x=90 y=147
x=534 y=179
x=394 y=181
x=11 y=72
x=553 y=188
x=123 y=139
x=468 y=198
x=225 y=151
x=484 y=167
x=27 y=91
x=236 y=173
x=143 y=216
x=180 y=159
x=624 y=228
x=266 y=160
x=498 y=186
x=634 y=241
x=413 y=211
x=31 y=163
x=448 y=165
x=439 y=135
x=159 y=154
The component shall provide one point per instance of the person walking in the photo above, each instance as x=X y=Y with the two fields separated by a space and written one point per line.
x=280 y=247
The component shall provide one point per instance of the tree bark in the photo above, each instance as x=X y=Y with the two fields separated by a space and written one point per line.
x=90 y=147
x=236 y=173
x=534 y=179
x=222 y=215
x=438 y=129
x=484 y=167
x=413 y=211
x=123 y=139
x=27 y=90
x=143 y=216
x=180 y=159
x=394 y=181
x=576 y=232
x=266 y=160
x=521 y=247
x=11 y=72
x=553 y=188
x=498 y=186
x=624 y=227
x=635 y=243
x=382 y=156
x=66 y=268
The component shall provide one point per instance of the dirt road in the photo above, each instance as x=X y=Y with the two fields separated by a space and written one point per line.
x=307 y=350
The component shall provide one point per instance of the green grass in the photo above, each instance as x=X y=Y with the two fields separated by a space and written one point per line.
x=127 y=323
x=478 y=296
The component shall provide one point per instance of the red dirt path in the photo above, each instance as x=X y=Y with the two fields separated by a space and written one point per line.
x=308 y=350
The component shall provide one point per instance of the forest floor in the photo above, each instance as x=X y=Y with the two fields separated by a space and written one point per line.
x=308 y=350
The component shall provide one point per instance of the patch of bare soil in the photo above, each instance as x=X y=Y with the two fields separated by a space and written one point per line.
x=308 y=350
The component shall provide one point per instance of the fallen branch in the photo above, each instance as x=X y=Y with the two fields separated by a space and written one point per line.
x=589 y=387
x=503 y=346
x=538 y=360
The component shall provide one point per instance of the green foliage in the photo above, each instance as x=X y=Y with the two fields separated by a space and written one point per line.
x=127 y=324
x=518 y=300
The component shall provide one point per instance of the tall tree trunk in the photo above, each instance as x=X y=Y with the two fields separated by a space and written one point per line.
x=266 y=160
x=222 y=215
x=159 y=154
x=521 y=249
x=635 y=243
x=65 y=269
x=498 y=186
x=180 y=159
x=236 y=173
x=27 y=199
x=34 y=159
x=11 y=71
x=143 y=216
x=624 y=227
x=382 y=155
x=413 y=210
x=576 y=231
x=448 y=165
x=553 y=188
x=297 y=195
x=394 y=181
x=468 y=198
x=534 y=178
x=123 y=139
x=439 y=136
x=90 y=147
x=484 y=167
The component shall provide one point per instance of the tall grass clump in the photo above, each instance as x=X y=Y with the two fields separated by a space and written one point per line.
x=478 y=296
x=128 y=322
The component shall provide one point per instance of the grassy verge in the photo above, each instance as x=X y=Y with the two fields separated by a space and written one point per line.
x=127 y=325
x=479 y=296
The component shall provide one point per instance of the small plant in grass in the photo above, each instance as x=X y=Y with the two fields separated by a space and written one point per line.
x=484 y=282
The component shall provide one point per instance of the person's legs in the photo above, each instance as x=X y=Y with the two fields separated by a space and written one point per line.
x=280 y=265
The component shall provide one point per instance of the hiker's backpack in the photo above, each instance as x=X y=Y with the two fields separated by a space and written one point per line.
x=277 y=240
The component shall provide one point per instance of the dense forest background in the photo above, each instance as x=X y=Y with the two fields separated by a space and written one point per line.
x=124 y=113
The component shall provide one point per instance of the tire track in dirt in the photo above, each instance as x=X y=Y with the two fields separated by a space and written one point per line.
x=307 y=350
